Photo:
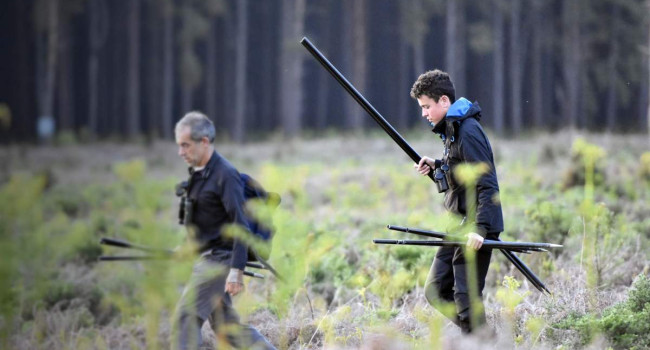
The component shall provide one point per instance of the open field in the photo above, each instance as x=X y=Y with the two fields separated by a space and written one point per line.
x=340 y=291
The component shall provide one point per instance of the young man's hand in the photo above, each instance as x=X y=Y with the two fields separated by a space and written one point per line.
x=425 y=165
x=474 y=241
x=235 y=282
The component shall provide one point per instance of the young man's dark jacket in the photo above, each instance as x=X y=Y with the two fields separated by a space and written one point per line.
x=218 y=195
x=466 y=142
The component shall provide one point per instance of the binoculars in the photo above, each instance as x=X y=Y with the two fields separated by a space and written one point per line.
x=186 y=205
x=440 y=174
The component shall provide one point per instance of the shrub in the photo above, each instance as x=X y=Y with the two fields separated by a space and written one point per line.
x=551 y=222
x=586 y=162
x=625 y=324
x=67 y=200
x=644 y=167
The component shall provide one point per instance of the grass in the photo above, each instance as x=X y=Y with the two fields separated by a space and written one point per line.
x=340 y=290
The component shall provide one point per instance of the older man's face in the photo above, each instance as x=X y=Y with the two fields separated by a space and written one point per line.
x=192 y=152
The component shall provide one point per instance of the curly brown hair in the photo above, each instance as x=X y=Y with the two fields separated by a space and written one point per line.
x=434 y=84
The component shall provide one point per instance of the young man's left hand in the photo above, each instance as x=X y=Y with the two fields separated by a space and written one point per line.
x=474 y=241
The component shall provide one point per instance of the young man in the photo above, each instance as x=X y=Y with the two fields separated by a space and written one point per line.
x=457 y=123
x=215 y=197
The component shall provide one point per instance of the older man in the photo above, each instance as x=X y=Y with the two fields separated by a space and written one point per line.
x=214 y=199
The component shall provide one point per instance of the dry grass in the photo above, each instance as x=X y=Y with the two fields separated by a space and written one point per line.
x=341 y=316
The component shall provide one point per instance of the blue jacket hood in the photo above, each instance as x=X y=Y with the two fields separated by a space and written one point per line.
x=459 y=108
x=458 y=111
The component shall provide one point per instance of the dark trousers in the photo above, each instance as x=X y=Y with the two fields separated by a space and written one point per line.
x=447 y=287
x=204 y=299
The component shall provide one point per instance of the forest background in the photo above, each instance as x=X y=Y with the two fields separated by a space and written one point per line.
x=125 y=69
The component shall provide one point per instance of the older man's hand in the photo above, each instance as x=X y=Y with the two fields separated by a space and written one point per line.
x=474 y=241
x=235 y=282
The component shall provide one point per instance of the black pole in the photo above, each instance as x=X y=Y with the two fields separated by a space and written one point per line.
x=392 y=132
x=487 y=244
x=128 y=245
x=154 y=257
x=130 y=258
x=401 y=142
x=528 y=274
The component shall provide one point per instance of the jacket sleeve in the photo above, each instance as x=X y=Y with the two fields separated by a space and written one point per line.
x=233 y=202
x=475 y=148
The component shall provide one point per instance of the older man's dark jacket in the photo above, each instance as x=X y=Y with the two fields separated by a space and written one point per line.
x=218 y=195
x=466 y=142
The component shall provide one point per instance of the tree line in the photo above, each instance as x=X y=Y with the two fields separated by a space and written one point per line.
x=131 y=68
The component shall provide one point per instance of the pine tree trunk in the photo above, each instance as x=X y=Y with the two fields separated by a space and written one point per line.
x=269 y=82
x=648 y=72
x=187 y=99
x=153 y=69
x=356 y=14
x=47 y=49
x=241 y=61
x=612 y=62
x=418 y=47
x=571 y=71
x=228 y=106
x=168 y=74
x=456 y=45
x=403 y=82
x=65 y=94
x=97 y=35
x=498 y=81
x=116 y=70
x=211 y=71
x=133 y=68
x=516 y=66
x=324 y=78
x=291 y=61
x=536 y=64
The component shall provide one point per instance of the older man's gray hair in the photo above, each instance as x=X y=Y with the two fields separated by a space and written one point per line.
x=200 y=126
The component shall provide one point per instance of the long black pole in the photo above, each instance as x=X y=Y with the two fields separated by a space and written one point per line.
x=488 y=244
x=363 y=102
x=154 y=257
x=394 y=135
x=128 y=245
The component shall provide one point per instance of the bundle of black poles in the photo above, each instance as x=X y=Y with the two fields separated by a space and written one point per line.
x=156 y=254
x=519 y=247
x=401 y=142
x=525 y=247
x=506 y=249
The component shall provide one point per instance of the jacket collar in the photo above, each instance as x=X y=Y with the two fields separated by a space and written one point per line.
x=214 y=160
x=458 y=111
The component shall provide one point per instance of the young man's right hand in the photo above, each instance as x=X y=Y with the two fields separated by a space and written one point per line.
x=425 y=165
